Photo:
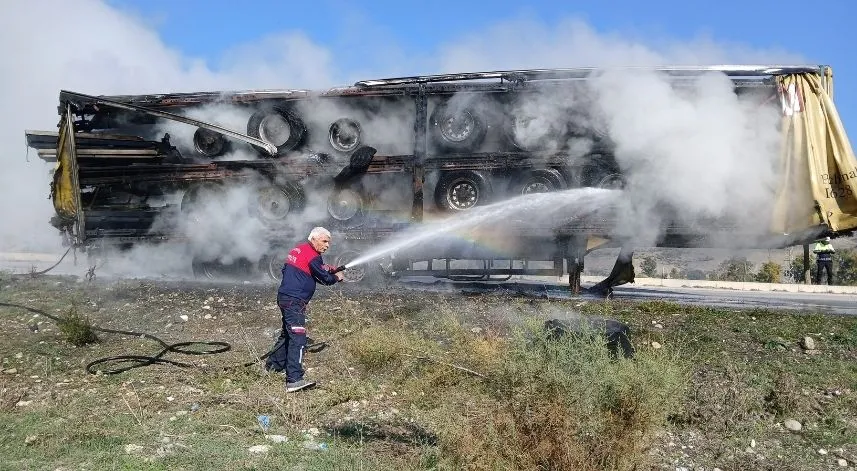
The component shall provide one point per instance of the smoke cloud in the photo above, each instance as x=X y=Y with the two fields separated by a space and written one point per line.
x=675 y=144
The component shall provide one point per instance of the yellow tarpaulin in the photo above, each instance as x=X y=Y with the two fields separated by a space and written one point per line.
x=819 y=171
x=65 y=190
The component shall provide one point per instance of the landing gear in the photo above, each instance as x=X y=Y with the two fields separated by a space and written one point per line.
x=576 y=252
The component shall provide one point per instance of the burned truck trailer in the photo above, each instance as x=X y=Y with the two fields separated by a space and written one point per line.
x=372 y=160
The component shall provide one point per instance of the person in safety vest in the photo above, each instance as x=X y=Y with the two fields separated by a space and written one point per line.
x=303 y=268
x=824 y=253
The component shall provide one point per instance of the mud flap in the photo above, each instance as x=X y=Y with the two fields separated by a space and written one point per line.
x=623 y=272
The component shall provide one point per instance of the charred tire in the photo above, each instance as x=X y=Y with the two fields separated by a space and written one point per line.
x=524 y=135
x=353 y=274
x=209 y=144
x=458 y=129
x=272 y=263
x=603 y=176
x=214 y=270
x=543 y=180
x=462 y=190
x=279 y=126
x=345 y=204
x=198 y=195
x=344 y=135
x=359 y=163
x=273 y=204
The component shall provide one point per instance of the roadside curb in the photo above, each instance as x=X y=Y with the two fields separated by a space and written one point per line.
x=735 y=285
x=710 y=284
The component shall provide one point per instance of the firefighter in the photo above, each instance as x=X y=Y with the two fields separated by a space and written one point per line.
x=303 y=268
x=824 y=251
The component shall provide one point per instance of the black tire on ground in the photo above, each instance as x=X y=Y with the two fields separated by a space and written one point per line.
x=273 y=204
x=209 y=144
x=462 y=190
x=457 y=128
x=542 y=180
x=279 y=126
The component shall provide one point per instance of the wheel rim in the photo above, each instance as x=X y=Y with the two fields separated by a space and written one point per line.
x=343 y=205
x=462 y=195
x=457 y=127
x=275 y=266
x=344 y=135
x=353 y=274
x=275 y=129
x=208 y=143
x=611 y=182
x=274 y=204
x=536 y=186
x=528 y=132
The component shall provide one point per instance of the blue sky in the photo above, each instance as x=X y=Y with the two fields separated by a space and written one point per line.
x=818 y=33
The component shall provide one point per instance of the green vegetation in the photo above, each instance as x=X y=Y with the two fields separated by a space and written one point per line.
x=415 y=380
x=741 y=269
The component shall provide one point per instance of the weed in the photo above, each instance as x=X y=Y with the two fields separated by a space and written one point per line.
x=785 y=397
x=567 y=404
x=76 y=329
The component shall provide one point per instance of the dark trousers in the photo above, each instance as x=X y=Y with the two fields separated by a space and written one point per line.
x=288 y=351
x=826 y=265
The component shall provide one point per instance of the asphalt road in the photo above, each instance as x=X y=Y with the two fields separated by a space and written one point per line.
x=826 y=303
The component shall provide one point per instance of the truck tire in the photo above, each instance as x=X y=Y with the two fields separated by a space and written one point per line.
x=209 y=144
x=271 y=265
x=198 y=194
x=274 y=203
x=345 y=204
x=542 y=180
x=602 y=175
x=279 y=126
x=525 y=136
x=457 y=129
x=462 y=190
x=344 y=135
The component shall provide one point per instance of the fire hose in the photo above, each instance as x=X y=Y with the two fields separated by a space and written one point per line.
x=210 y=348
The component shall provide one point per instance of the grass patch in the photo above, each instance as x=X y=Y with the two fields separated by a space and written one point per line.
x=422 y=381
x=76 y=329
x=564 y=404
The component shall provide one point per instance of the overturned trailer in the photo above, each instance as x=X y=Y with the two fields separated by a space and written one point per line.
x=381 y=156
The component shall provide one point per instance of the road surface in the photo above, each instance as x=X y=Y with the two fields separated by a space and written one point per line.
x=822 y=299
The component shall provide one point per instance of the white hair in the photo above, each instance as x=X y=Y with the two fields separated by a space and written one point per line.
x=317 y=231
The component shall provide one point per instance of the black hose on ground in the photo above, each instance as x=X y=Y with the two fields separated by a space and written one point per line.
x=42 y=272
x=145 y=360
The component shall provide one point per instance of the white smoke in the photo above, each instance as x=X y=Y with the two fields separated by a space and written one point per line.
x=692 y=153
x=46 y=49
x=664 y=137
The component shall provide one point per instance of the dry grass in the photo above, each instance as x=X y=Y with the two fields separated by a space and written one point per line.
x=422 y=381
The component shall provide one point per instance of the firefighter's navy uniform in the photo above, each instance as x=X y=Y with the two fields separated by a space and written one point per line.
x=303 y=268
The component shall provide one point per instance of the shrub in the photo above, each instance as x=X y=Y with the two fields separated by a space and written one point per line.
x=770 y=272
x=565 y=404
x=649 y=267
x=76 y=329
